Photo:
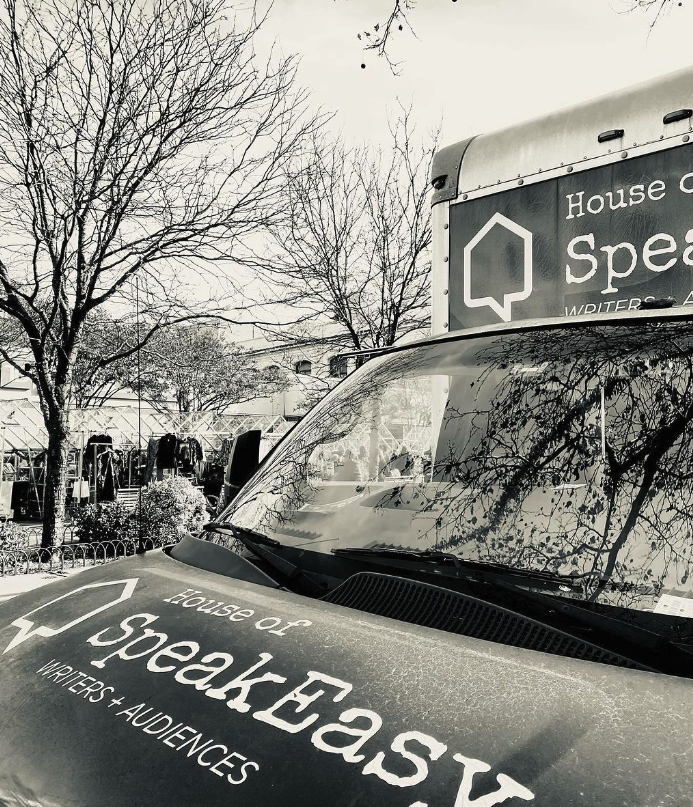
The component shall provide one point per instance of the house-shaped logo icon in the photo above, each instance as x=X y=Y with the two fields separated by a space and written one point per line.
x=93 y=597
x=502 y=302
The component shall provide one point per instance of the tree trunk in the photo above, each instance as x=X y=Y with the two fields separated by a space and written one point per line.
x=55 y=481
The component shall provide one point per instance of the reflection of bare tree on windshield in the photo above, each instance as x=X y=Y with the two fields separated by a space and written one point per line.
x=562 y=450
x=581 y=466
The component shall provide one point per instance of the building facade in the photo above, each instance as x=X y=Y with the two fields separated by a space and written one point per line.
x=312 y=367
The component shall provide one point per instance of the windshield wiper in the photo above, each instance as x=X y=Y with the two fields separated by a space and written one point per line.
x=450 y=560
x=656 y=651
x=227 y=528
x=261 y=546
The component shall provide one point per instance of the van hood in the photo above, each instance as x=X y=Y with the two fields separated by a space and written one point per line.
x=150 y=682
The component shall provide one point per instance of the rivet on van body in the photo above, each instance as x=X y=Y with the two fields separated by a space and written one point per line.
x=520 y=182
x=570 y=169
x=445 y=226
x=445 y=259
x=445 y=291
x=445 y=325
x=624 y=154
x=686 y=138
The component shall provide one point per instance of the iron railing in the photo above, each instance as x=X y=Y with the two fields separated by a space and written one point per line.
x=69 y=555
x=33 y=534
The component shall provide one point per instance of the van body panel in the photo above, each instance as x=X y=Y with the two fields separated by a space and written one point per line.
x=109 y=698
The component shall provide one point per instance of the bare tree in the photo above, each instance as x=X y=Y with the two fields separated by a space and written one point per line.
x=140 y=140
x=379 y=38
x=355 y=247
x=187 y=368
x=95 y=382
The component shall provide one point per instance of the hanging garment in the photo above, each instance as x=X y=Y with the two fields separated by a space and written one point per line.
x=107 y=477
x=108 y=488
x=166 y=452
x=152 y=450
x=134 y=467
x=95 y=445
x=80 y=489
x=184 y=456
x=198 y=455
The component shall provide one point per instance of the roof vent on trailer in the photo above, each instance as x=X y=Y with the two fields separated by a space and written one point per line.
x=677 y=115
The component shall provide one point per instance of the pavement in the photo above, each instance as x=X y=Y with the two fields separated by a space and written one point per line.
x=13 y=584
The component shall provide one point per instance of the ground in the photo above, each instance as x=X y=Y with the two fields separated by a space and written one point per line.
x=14 y=584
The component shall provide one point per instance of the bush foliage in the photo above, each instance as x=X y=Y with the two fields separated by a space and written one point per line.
x=107 y=521
x=12 y=536
x=171 y=508
x=168 y=509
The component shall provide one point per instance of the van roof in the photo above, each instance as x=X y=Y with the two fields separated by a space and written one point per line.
x=683 y=313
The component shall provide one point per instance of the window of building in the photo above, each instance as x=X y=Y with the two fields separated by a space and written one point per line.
x=338 y=367
x=303 y=367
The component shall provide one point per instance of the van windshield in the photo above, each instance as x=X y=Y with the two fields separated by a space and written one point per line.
x=567 y=450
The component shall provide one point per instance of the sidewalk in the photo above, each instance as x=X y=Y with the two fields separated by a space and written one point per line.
x=14 y=584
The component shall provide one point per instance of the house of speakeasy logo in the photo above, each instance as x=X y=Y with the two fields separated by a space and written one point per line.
x=501 y=303
x=38 y=621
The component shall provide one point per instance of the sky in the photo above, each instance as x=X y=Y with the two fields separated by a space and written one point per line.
x=474 y=65
x=471 y=66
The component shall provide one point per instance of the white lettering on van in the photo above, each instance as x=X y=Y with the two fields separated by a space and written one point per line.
x=570 y=277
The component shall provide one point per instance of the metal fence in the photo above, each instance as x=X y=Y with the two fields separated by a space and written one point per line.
x=33 y=534
x=69 y=556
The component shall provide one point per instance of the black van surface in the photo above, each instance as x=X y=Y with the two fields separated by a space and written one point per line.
x=150 y=682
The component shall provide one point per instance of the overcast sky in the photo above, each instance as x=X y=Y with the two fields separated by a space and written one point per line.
x=474 y=65
x=477 y=64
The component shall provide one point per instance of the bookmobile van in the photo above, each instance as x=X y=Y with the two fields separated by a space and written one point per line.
x=464 y=579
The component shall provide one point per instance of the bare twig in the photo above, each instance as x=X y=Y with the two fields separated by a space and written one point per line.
x=381 y=35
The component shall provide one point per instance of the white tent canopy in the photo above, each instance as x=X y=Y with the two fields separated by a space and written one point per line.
x=22 y=427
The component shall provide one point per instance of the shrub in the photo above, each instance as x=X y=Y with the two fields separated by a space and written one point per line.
x=169 y=509
x=12 y=536
x=107 y=521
